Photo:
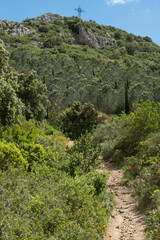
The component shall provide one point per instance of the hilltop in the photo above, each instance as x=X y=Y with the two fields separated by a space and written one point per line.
x=85 y=61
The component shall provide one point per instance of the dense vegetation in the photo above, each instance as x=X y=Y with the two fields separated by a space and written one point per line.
x=66 y=69
x=133 y=142
x=84 y=61
x=47 y=189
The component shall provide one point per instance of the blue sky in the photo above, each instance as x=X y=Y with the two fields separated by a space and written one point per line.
x=140 y=17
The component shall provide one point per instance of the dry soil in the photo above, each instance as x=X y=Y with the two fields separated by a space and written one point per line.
x=126 y=222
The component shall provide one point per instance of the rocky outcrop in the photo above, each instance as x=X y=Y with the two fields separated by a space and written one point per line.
x=84 y=35
x=48 y=17
x=14 y=28
x=87 y=37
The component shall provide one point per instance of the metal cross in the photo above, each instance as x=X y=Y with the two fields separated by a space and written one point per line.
x=79 y=10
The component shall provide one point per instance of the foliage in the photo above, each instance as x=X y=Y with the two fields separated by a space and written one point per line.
x=10 y=106
x=73 y=72
x=78 y=119
x=33 y=95
x=3 y=57
x=136 y=126
x=62 y=208
x=130 y=49
x=10 y=156
x=53 y=190
x=75 y=24
x=51 y=42
x=61 y=189
x=136 y=147
x=84 y=155
x=33 y=153
x=20 y=93
x=144 y=120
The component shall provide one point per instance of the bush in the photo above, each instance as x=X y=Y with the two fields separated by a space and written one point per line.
x=83 y=155
x=78 y=119
x=75 y=24
x=34 y=153
x=129 y=38
x=52 y=42
x=144 y=120
x=153 y=226
x=118 y=35
x=130 y=49
x=11 y=156
x=148 y=39
x=53 y=206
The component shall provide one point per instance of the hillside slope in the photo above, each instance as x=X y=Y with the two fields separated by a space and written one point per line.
x=85 y=61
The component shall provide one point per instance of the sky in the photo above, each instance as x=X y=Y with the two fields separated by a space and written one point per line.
x=140 y=17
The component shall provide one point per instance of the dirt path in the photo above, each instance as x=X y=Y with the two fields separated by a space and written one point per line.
x=125 y=223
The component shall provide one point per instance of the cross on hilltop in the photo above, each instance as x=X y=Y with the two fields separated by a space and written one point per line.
x=79 y=10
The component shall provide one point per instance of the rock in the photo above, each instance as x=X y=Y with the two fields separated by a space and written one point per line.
x=48 y=17
x=121 y=211
x=14 y=28
x=87 y=37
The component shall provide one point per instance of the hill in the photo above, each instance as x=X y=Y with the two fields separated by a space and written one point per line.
x=85 y=61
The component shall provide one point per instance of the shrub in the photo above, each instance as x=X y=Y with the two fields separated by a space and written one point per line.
x=148 y=39
x=53 y=41
x=75 y=25
x=129 y=38
x=83 y=155
x=130 y=49
x=153 y=226
x=34 y=153
x=78 y=119
x=11 y=156
x=144 y=120
x=43 y=29
x=53 y=206
x=118 y=35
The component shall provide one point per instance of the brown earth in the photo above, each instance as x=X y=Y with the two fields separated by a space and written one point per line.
x=126 y=222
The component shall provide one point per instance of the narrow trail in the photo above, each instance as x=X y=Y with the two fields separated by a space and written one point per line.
x=125 y=223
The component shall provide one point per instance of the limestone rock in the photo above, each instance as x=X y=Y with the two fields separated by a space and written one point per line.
x=48 y=17
x=14 y=28
x=87 y=37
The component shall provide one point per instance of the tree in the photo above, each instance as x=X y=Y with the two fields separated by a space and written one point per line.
x=127 y=107
x=10 y=106
x=4 y=56
x=32 y=92
x=78 y=119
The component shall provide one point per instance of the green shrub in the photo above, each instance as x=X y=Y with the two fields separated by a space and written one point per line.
x=11 y=156
x=118 y=35
x=78 y=119
x=24 y=132
x=33 y=153
x=53 y=41
x=109 y=130
x=130 y=49
x=53 y=206
x=153 y=226
x=144 y=120
x=136 y=127
x=83 y=155
x=75 y=24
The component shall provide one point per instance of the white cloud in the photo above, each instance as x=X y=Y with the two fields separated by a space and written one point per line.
x=114 y=2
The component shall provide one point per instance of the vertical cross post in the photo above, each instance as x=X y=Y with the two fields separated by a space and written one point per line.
x=79 y=10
